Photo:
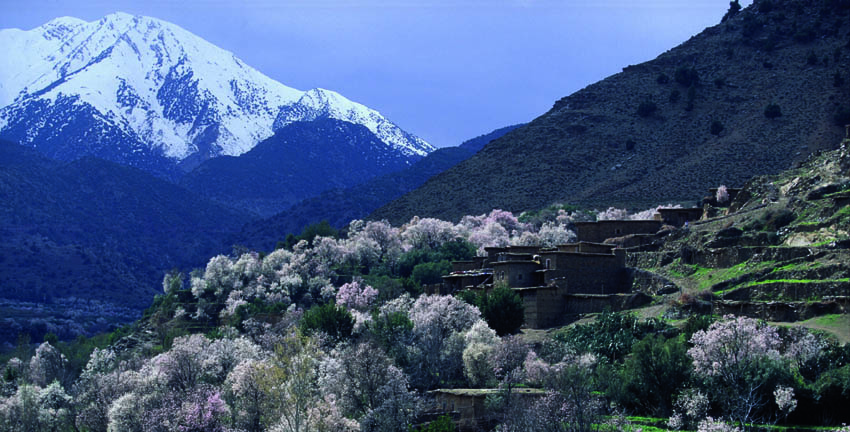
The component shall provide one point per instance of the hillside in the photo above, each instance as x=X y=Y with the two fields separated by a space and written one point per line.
x=340 y=206
x=667 y=129
x=301 y=160
x=94 y=237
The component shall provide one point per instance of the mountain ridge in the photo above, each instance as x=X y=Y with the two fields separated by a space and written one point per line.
x=643 y=137
x=156 y=89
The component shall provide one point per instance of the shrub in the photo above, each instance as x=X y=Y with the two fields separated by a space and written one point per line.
x=686 y=76
x=734 y=8
x=662 y=78
x=431 y=273
x=812 y=59
x=503 y=310
x=842 y=116
x=837 y=79
x=647 y=108
x=772 y=111
x=330 y=319
x=716 y=127
x=675 y=95
x=719 y=82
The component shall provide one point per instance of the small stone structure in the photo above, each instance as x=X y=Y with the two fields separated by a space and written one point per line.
x=678 y=217
x=469 y=405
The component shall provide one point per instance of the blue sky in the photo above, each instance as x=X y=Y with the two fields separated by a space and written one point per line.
x=444 y=70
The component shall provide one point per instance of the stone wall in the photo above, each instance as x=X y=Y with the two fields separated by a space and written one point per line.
x=781 y=311
x=517 y=274
x=468 y=406
x=577 y=304
x=598 y=232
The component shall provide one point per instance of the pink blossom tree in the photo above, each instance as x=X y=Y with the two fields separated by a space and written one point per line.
x=738 y=360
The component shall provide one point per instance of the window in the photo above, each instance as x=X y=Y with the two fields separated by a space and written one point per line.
x=548 y=263
x=519 y=277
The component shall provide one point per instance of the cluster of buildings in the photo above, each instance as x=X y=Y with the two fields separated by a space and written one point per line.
x=558 y=283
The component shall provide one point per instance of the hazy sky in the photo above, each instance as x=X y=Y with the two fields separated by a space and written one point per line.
x=444 y=70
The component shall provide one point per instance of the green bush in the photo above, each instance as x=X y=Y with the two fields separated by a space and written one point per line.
x=503 y=310
x=443 y=423
x=656 y=369
x=611 y=335
x=662 y=78
x=772 y=111
x=431 y=272
x=330 y=319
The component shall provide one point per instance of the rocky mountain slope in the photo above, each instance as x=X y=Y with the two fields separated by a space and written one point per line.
x=779 y=251
x=147 y=93
x=665 y=130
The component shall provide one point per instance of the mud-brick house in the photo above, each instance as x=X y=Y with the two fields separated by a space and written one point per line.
x=678 y=217
x=599 y=231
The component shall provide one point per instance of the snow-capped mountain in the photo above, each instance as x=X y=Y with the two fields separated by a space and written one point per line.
x=136 y=89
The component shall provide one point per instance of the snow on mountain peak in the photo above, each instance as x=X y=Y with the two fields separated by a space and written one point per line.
x=162 y=85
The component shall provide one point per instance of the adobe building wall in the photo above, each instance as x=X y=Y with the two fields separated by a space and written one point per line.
x=544 y=306
x=517 y=274
x=453 y=283
x=586 y=247
x=599 y=231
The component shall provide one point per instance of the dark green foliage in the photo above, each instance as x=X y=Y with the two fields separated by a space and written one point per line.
x=335 y=321
x=832 y=391
x=719 y=82
x=772 y=111
x=662 y=78
x=393 y=332
x=457 y=250
x=687 y=76
x=716 y=127
x=443 y=423
x=647 y=108
x=503 y=310
x=612 y=334
x=630 y=145
x=734 y=8
x=656 y=369
x=837 y=79
x=310 y=232
x=766 y=6
x=696 y=323
x=431 y=272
